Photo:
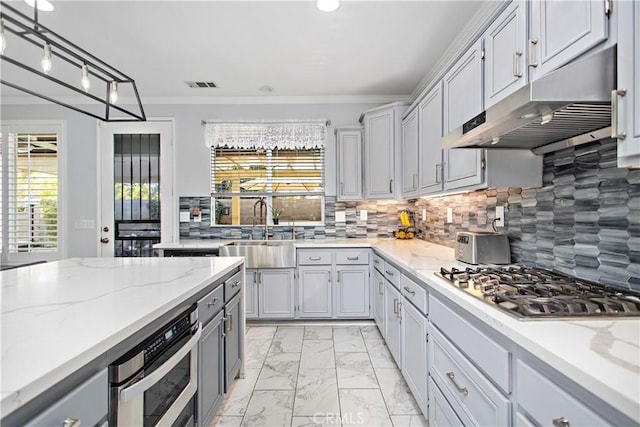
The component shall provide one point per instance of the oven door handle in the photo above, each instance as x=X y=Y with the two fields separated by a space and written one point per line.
x=145 y=383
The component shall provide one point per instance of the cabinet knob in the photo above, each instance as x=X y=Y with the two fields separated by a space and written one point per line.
x=104 y=240
x=561 y=422
x=71 y=422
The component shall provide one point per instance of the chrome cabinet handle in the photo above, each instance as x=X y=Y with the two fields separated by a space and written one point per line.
x=260 y=278
x=353 y=258
x=230 y=318
x=213 y=302
x=342 y=189
x=338 y=276
x=452 y=377
x=315 y=258
x=408 y=289
x=71 y=422
x=380 y=288
x=376 y=262
x=390 y=186
x=438 y=172
x=532 y=53
x=236 y=284
x=615 y=113
x=395 y=305
x=390 y=273
x=516 y=63
x=561 y=422
x=399 y=309
x=329 y=273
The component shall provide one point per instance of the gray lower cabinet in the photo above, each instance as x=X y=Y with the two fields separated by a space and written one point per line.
x=87 y=404
x=440 y=412
x=414 y=352
x=276 y=293
x=314 y=291
x=352 y=291
x=378 y=301
x=251 y=294
x=232 y=338
x=210 y=370
x=393 y=328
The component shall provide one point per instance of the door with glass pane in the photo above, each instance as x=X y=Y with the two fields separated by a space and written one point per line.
x=136 y=188
x=30 y=159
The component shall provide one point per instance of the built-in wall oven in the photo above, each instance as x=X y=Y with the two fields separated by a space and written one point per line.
x=156 y=382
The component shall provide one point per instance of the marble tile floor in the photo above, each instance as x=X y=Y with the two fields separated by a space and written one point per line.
x=318 y=375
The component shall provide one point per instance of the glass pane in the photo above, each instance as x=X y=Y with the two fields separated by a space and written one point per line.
x=240 y=210
x=239 y=171
x=296 y=171
x=298 y=208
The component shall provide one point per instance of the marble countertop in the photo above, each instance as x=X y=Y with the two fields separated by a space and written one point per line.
x=59 y=316
x=602 y=355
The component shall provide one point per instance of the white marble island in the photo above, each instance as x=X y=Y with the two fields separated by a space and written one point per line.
x=59 y=316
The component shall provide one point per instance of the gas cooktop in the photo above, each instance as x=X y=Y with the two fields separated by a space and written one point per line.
x=532 y=293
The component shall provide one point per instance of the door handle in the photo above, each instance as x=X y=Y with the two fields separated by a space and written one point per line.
x=230 y=318
x=408 y=289
x=213 y=302
x=561 y=422
x=395 y=306
x=236 y=284
x=452 y=378
x=615 y=113
x=104 y=240
x=516 y=63
x=532 y=53
x=438 y=173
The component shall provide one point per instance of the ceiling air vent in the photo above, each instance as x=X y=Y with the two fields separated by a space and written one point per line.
x=198 y=85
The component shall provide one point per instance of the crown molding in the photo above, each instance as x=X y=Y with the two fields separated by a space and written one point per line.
x=228 y=100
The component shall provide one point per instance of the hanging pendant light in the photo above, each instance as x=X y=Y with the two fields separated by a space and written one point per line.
x=46 y=59
x=113 y=93
x=3 y=41
x=328 y=5
x=84 y=80
x=43 y=5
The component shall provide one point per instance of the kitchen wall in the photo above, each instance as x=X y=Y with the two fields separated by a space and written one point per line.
x=584 y=220
x=191 y=156
x=382 y=221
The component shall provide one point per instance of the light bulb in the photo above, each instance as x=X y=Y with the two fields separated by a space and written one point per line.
x=46 y=59
x=113 y=94
x=43 y=5
x=328 y=5
x=3 y=41
x=84 y=80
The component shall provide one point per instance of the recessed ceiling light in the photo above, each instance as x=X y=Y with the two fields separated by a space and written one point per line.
x=265 y=89
x=43 y=5
x=328 y=5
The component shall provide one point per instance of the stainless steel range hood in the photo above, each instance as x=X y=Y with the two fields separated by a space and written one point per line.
x=565 y=107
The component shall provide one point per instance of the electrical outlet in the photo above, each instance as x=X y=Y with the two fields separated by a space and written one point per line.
x=363 y=215
x=341 y=216
x=424 y=214
x=499 y=216
x=449 y=215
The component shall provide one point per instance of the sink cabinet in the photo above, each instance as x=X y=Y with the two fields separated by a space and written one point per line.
x=251 y=294
x=275 y=293
x=314 y=292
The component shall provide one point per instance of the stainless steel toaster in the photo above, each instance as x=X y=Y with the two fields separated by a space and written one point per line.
x=476 y=247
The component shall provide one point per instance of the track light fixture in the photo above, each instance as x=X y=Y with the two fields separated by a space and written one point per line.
x=328 y=5
x=21 y=32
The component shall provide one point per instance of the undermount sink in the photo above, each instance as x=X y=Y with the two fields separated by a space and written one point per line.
x=263 y=253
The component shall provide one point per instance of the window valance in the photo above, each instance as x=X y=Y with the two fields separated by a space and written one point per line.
x=298 y=134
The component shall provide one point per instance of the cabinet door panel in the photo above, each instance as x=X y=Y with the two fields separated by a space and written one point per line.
x=251 y=294
x=414 y=353
x=410 y=154
x=210 y=371
x=314 y=292
x=505 y=54
x=392 y=303
x=233 y=335
x=276 y=293
x=563 y=30
x=462 y=168
x=353 y=291
x=379 y=301
x=430 y=135
x=380 y=159
x=440 y=412
x=349 y=165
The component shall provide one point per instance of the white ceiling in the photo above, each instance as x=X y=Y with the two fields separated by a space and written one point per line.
x=364 y=51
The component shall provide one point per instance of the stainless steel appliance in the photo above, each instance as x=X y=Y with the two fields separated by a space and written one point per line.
x=532 y=293
x=156 y=382
x=476 y=247
x=549 y=113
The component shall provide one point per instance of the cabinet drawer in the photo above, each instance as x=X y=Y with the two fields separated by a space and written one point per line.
x=352 y=257
x=440 y=412
x=232 y=286
x=87 y=403
x=479 y=402
x=488 y=355
x=392 y=274
x=211 y=304
x=547 y=404
x=414 y=293
x=378 y=263
x=314 y=258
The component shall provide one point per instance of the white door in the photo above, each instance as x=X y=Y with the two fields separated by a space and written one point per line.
x=136 y=186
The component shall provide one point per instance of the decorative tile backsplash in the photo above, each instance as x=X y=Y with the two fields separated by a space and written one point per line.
x=584 y=221
x=382 y=221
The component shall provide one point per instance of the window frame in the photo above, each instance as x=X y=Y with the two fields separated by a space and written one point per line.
x=268 y=196
x=33 y=127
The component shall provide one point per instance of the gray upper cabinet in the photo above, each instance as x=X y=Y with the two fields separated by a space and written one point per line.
x=429 y=136
x=463 y=100
x=382 y=133
x=562 y=30
x=627 y=96
x=410 y=155
x=505 y=43
x=349 y=149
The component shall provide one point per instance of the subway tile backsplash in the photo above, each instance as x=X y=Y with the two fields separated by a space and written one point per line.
x=584 y=221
